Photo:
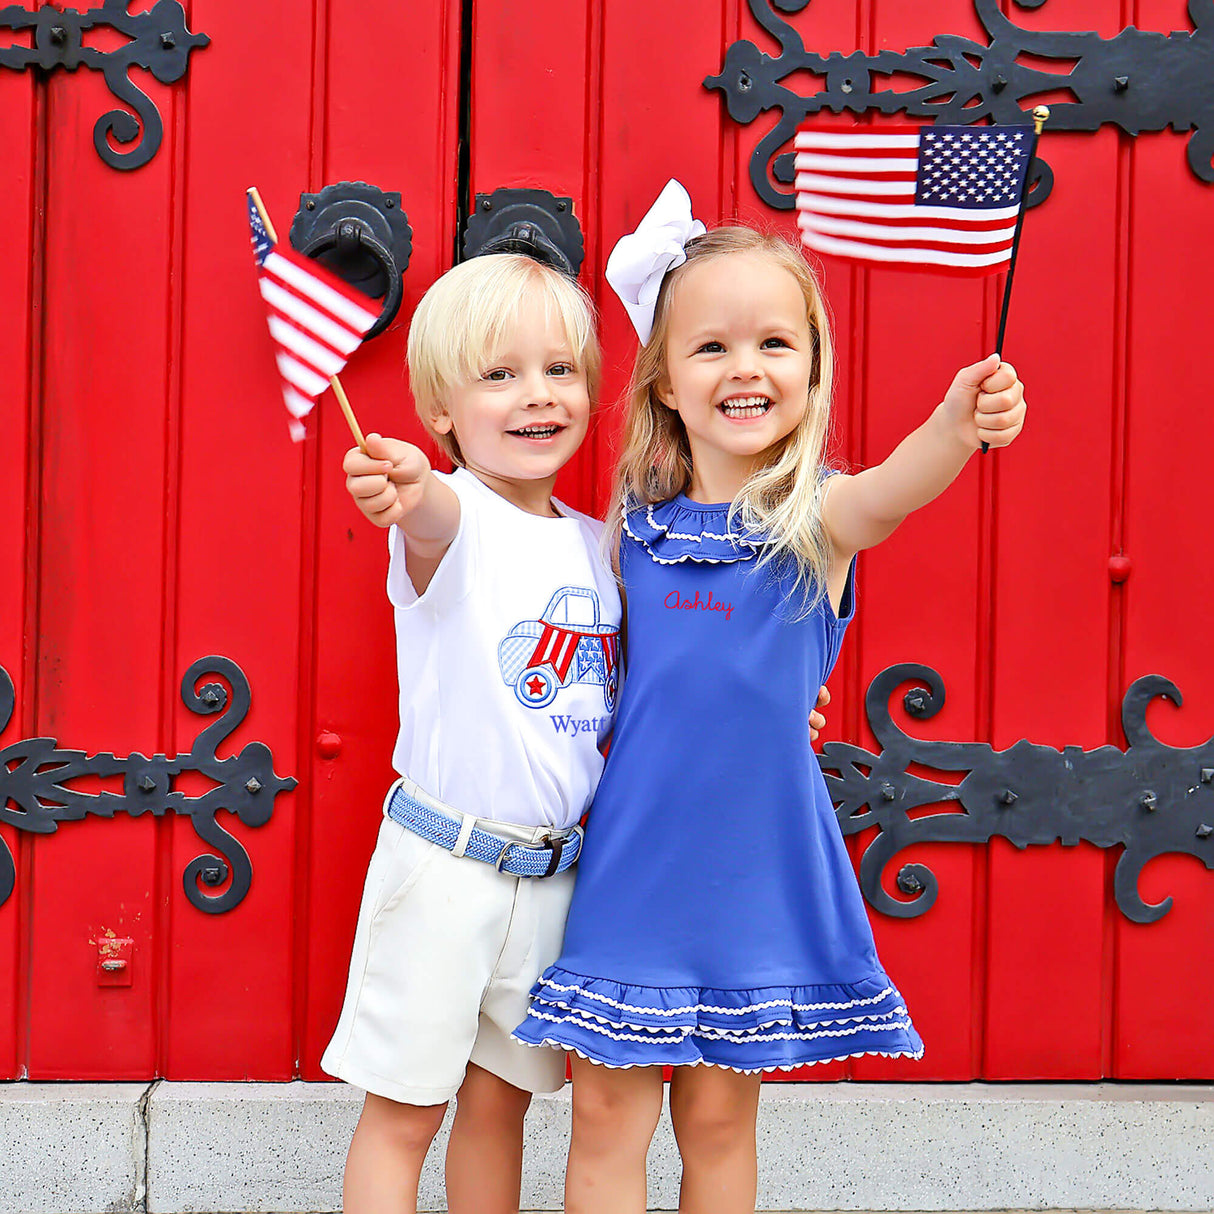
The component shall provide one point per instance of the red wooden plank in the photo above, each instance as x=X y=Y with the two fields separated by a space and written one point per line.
x=543 y=135
x=411 y=69
x=1052 y=592
x=20 y=276
x=1164 y=985
x=237 y=551
x=922 y=598
x=101 y=537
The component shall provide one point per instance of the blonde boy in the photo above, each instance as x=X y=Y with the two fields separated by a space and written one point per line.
x=507 y=627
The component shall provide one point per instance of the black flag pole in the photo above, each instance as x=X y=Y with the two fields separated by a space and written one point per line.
x=1041 y=115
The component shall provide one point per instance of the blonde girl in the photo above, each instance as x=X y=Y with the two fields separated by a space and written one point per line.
x=716 y=926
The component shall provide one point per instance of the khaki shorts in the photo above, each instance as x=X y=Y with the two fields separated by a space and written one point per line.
x=445 y=954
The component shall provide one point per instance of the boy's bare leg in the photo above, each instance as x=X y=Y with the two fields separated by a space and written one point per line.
x=485 y=1153
x=615 y=1112
x=386 y=1154
x=713 y=1111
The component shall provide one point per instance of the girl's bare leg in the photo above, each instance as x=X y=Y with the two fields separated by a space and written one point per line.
x=615 y=1112
x=713 y=1111
x=485 y=1154
x=386 y=1154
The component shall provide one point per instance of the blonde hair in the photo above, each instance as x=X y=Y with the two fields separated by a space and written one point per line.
x=465 y=318
x=781 y=501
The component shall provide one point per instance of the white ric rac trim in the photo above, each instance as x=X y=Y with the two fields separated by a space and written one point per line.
x=740 y=1070
x=722 y=1011
x=687 y=556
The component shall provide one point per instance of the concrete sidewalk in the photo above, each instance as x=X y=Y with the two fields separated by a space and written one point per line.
x=186 y=1148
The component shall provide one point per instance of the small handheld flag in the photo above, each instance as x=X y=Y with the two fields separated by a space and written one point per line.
x=942 y=198
x=316 y=320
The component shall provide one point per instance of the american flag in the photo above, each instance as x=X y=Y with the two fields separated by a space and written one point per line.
x=935 y=197
x=316 y=320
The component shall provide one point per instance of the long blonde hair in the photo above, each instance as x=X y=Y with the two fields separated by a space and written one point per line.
x=782 y=500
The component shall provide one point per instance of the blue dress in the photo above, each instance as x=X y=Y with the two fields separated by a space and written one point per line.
x=716 y=916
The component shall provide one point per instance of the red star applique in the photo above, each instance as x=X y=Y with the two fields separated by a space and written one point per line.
x=536 y=685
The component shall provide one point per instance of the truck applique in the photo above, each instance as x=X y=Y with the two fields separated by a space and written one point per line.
x=566 y=645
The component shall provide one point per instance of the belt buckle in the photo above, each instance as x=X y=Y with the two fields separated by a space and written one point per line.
x=557 y=847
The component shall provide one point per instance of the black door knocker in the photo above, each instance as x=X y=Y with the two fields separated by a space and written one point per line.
x=534 y=222
x=360 y=233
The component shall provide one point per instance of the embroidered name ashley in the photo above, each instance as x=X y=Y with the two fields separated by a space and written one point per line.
x=676 y=602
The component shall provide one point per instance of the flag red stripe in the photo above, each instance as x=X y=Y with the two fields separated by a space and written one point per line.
x=315 y=305
x=314 y=269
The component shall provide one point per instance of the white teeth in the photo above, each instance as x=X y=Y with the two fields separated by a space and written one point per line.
x=537 y=431
x=746 y=406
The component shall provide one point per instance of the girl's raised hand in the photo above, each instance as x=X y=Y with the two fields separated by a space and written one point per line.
x=986 y=400
x=388 y=481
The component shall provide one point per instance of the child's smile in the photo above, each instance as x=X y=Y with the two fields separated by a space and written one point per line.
x=522 y=420
x=742 y=408
x=739 y=354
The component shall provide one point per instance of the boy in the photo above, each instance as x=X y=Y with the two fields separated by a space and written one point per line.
x=504 y=608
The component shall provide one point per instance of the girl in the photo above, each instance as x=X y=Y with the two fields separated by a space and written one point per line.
x=716 y=925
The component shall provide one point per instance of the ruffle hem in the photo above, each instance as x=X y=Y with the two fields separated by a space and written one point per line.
x=763 y=1029
x=679 y=530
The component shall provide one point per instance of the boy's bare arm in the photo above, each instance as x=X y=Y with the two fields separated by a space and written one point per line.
x=985 y=403
x=393 y=483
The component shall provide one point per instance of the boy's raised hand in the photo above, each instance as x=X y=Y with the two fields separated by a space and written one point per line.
x=986 y=400
x=387 y=482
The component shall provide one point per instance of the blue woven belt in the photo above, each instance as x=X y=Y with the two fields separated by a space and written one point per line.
x=543 y=859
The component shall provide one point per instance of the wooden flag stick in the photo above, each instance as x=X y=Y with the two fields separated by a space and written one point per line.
x=338 y=390
x=351 y=420
x=261 y=210
x=1041 y=116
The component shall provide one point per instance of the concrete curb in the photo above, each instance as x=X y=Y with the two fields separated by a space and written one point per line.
x=193 y=1148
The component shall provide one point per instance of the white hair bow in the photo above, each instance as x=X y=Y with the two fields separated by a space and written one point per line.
x=640 y=260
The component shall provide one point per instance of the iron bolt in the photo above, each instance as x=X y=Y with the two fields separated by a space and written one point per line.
x=1149 y=800
x=1007 y=797
x=847 y=86
x=916 y=702
x=58 y=34
x=389 y=203
x=211 y=696
x=1204 y=831
x=999 y=83
x=147 y=784
x=887 y=791
x=908 y=883
x=486 y=205
x=253 y=785
x=310 y=205
x=212 y=874
x=1207 y=775
x=744 y=82
x=168 y=40
x=328 y=744
x=1121 y=83
x=1119 y=568
x=560 y=206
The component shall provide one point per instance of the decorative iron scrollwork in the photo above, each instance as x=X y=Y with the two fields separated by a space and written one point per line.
x=1150 y=799
x=1139 y=81
x=36 y=793
x=159 y=42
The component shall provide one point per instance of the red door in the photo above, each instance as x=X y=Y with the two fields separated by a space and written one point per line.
x=155 y=512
